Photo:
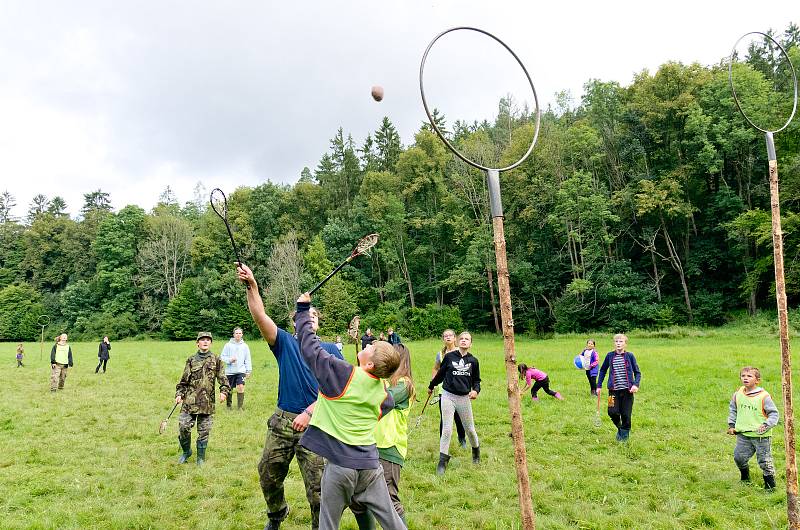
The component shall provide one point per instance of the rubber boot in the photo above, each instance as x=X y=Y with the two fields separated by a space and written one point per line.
x=186 y=445
x=745 y=473
x=366 y=521
x=623 y=435
x=229 y=400
x=476 y=455
x=769 y=482
x=240 y=401
x=201 y=452
x=443 y=460
x=275 y=524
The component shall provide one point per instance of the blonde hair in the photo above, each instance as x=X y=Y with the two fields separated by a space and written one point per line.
x=752 y=369
x=621 y=336
x=385 y=359
x=444 y=344
x=404 y=370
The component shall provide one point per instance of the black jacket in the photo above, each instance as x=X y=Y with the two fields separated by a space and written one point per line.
x=459 y=374
x=367 y=339
x=103 y=351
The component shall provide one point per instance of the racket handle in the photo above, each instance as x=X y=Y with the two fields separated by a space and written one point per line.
x=328 y=277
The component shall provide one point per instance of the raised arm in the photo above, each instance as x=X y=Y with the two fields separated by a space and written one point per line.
x=268 y=328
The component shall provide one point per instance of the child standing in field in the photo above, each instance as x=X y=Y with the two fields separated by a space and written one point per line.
x=751 y=416
x=20 y=354
x=448 y=345
x=541 y=381
x=196 y=391
x=342 y=429
x=460 y=376
x=592 y=361
x=623 y=382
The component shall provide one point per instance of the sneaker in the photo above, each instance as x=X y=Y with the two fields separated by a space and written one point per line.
x=558 y=396
x=535 y=398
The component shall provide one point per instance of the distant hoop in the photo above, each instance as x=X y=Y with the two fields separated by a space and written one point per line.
x=733 y=90
x=430 y=117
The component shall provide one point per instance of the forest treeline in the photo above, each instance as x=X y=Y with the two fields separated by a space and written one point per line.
x=642 y=206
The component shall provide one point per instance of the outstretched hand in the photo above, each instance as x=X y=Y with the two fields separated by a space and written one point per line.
x=245 y=274
x=304 y=298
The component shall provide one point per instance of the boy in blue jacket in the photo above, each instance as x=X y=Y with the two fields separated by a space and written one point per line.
x=623 y=382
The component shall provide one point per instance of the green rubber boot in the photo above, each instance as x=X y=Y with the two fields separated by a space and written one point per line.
x=201 y=452
x=186 y=445
x=366 y=521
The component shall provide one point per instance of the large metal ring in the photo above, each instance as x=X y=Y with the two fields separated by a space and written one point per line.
x=43 y=320
x=433 y=124
x=733 y=90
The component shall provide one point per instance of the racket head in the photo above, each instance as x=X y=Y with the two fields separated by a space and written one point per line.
x=162 y=426
x=779 y=67
x=364 y=245
x=219 y=203
x=435 y=126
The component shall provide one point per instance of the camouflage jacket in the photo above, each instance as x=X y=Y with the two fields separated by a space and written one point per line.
x=196 y=386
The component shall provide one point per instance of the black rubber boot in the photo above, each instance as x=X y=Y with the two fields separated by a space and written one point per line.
x=476 y=455
x=769 y=482
x=275 y=524
x=443 y=460
x=240 y=401
x=745 y=473
x=366 y=521
x=186 y=445
x=201 y=452
x=623 y=434
x=229 y=400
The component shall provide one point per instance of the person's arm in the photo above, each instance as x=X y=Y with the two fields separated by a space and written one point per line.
x=332 y=374
x=53 y=355
x=222 y=380
x=732 y=410
x=772 y=415
x=595 y=360
x=225 y=356
x=439 y=377
x=248 y=366
x=637 y=374
x=436 y=364
x=476 y=377
x=183 y=383
x=602 y=374
x=268 y=328
x=100 y=350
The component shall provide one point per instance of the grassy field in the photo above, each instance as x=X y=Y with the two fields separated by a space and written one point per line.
x=91 y=455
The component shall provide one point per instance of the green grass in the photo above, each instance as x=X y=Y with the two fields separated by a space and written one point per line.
x=91 y=456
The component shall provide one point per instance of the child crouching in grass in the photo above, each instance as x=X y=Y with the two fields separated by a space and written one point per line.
x=751 y=416
x=541 y=381
x=342 y=429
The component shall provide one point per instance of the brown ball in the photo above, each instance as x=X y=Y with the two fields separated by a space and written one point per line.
x=377 y=93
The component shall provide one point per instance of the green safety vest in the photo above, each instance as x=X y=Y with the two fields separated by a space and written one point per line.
x=392 y=430
x=750 y=414
x=351 y=416
x=62 y=354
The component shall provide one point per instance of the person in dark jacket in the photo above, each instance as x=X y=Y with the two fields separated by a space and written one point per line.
x=368 y=338
x=460 y=376
x=392 y=337
x=623 y=382
x=103 y=354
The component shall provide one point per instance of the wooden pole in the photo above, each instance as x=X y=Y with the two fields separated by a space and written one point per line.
x=786 y=355
x=517 y=430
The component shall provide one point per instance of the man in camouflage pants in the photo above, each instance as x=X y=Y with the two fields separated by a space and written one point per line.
x=297 y=394
x=196 y=391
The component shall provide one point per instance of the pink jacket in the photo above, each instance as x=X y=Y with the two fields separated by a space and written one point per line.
x=534 y=374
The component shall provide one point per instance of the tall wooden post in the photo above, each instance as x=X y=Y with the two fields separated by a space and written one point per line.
x=783 y=328
x=517 y=429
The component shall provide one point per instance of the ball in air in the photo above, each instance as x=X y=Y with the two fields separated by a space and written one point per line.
x=377 y=93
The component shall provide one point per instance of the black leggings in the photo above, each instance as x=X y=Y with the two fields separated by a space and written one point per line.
x=592 y=382
x=101 y=363
x=459 y=426
x=544 y=384
x=622 y=409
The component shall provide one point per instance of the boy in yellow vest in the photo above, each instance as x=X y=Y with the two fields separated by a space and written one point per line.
x=342 y=429
x=751 y=417
x=60 y=360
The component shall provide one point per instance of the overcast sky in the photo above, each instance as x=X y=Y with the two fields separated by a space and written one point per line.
x=130 y=97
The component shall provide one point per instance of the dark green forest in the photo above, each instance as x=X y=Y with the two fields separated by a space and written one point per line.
x=643 y=206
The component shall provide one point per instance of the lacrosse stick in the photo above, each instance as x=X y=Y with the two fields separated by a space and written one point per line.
x=352 y=330
x=219 y=203
x=597 y=412
x=363 y=245
x=163 y=426
x=422 y=414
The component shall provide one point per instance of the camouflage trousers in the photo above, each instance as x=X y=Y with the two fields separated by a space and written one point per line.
x=281 y=445
x=186 y=423
x=58 y=374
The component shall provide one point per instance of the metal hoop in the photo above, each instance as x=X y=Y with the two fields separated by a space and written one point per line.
x=433 y=124
x=733 y=90
x=46 y=320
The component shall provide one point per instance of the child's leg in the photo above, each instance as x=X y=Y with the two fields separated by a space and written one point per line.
x=105 y=362
x=371 y=491
x=337 y=488
x=391 y=475
x=448 y=409
x=204 y=424
x=55 y=374
x=613 y=408
x=535 y=389
x=185 y=425
x=62 y=377
x=625 y=410
x=464 y=409
x=546 y=387
x=592 y=382
x=459 y=428
x=743 y=451
x=763 y=447
x=311 y=466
